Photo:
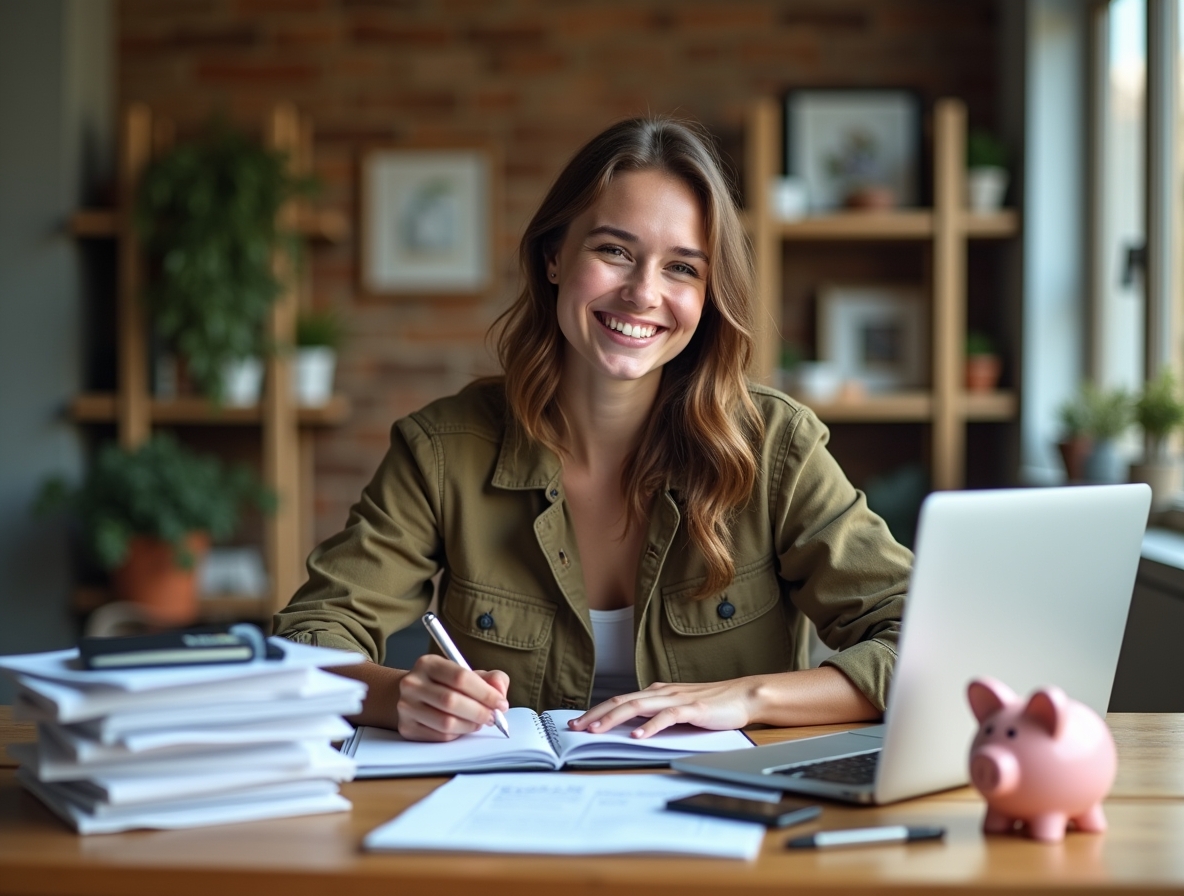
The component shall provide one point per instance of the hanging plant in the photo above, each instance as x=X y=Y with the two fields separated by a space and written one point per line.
x=207 y=212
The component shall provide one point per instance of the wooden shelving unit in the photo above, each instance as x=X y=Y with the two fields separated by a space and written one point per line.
x=285 y=430
x=945 y=230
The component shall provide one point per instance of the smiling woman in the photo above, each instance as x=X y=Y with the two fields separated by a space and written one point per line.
x=623 y=521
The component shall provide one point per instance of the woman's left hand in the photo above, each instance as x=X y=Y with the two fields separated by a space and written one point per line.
x=717 y=705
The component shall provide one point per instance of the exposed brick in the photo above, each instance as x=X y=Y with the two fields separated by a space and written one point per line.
x=409 y=36
x=535 y=78
x=249 y=73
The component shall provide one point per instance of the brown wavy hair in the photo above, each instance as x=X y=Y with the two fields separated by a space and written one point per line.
x=702 y=433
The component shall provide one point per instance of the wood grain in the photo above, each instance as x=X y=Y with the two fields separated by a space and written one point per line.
x=322 y=855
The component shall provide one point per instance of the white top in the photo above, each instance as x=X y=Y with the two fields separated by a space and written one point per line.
x=616 y=669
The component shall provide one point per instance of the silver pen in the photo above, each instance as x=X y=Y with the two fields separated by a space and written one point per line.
x=436 y=630
x=866 y=836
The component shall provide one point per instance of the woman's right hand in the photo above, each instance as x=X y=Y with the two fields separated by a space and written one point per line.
x=440 y=701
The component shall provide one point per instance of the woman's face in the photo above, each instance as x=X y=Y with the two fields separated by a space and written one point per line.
x=632 y=276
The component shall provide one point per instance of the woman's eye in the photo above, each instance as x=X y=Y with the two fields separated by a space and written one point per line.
x=614 y=251
x=683 y=268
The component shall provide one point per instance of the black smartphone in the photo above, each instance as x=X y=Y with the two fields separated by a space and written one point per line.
x=774 y=815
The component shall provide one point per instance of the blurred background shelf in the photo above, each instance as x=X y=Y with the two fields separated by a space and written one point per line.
x=102 y=407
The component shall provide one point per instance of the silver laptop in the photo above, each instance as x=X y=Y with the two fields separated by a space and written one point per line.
x=1029 y=586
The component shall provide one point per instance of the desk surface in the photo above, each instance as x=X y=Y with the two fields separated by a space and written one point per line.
x=1143 y=851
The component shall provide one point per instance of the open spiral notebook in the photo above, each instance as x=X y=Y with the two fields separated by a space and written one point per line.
x=536 y=741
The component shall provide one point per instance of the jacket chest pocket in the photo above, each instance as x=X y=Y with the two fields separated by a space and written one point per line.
x=742 y=631
x=497 y=630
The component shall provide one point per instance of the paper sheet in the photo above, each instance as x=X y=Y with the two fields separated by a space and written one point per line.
x=569 y=814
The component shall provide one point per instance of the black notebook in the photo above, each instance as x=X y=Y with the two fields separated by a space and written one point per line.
x=535 y=742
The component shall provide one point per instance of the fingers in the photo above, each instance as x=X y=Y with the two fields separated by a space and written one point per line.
x=622 y=708
x=438 y=700
x=498 y=680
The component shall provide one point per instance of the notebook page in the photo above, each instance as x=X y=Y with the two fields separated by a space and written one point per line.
x=617 y=747
x=564 y=814
x=385 y=754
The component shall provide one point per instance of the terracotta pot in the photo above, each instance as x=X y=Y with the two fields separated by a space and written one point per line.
x=982 y=372
x=871 y=198
x=1074 y=453
x=152 y=578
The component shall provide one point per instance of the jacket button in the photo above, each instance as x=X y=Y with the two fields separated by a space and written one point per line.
x=485 y=621
x=725 y=609
x=554 y=493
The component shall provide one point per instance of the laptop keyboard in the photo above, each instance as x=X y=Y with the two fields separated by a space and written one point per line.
x=859 y=769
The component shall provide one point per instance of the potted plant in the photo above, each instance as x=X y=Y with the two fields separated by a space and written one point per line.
x=983 y=365
x=1159 y=412
x=1075 y=444
x=148 y=515
x=986 y=171
x=1108 y=413
x=318 y=336
x=208 y=214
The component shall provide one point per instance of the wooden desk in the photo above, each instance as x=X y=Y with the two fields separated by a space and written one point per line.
x=1142 y=852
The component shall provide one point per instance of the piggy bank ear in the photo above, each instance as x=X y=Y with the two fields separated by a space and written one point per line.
x=987 y=696
x=1047 y=709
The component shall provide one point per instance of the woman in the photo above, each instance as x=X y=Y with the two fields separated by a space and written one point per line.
x=623 y=517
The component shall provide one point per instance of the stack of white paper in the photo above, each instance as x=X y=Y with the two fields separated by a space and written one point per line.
x=185 y=746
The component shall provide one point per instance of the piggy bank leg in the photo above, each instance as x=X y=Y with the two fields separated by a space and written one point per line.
x=997 y=823
x=1093 y=821
x=1048 y=828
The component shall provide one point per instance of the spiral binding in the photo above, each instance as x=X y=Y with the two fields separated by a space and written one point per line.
x=546 y=726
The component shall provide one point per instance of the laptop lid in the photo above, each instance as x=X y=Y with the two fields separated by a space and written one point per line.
x=1030 y=586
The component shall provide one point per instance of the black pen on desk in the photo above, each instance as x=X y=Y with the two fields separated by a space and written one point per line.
x=436 y=630
x=896 y=833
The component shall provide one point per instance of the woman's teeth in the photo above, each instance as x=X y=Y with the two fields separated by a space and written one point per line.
x=637 y=332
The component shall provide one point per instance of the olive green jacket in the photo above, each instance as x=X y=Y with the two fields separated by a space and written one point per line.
x=462 y=491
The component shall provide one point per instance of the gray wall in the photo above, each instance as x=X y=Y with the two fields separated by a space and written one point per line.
x=56 y=116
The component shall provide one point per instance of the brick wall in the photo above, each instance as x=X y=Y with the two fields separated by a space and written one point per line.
x=534 y=77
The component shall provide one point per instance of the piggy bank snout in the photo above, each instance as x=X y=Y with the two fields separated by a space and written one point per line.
x=994 y=771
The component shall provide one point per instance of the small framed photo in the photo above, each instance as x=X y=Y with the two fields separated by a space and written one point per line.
x=854 y=148
x=426 y=221
x=877 y=335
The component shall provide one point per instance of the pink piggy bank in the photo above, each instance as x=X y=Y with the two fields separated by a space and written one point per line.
x=1046 y=763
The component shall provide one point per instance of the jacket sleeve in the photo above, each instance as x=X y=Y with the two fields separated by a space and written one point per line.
x=374 y=577
x=848 y=574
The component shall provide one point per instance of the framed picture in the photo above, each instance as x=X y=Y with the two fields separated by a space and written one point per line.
x=878 y=335
x=426 y=220
x=848 y=144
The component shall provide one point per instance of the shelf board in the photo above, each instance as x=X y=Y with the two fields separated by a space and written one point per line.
x=914 y=407
x=100 y=407
x=1000 y=405
x=992 y=225
x=211 y=608
x=913 y=224
x=893 y=407
x=909 y=224
x=327 y=225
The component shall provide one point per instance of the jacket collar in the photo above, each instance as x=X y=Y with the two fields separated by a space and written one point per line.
x=524 y=463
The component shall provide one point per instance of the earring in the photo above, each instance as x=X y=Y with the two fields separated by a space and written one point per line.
x=553 y=275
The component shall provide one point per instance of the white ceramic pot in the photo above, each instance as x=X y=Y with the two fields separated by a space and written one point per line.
x=312 y=382
x=815 y=381
x=985 y=188
x=242 y=382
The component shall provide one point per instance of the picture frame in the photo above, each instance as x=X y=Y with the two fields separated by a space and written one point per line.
x=840 y=142
x=876 y=335
x=427 y=220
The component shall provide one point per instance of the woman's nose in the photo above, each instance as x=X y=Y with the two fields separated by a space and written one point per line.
x=643 y=287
